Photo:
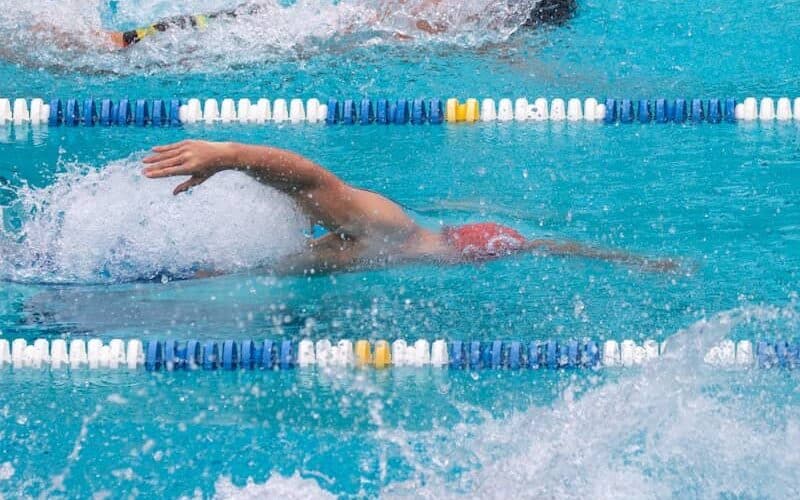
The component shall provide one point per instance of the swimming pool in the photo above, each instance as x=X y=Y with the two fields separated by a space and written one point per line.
x=723 y=198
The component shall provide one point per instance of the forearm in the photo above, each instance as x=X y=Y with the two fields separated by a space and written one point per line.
x=276 y=167
x=199 y=21
x=571 y=248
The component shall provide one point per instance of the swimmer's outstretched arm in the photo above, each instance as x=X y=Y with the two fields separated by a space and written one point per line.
x=124 y=39
x=111 y=40
x=571 y=248
x=329 y=201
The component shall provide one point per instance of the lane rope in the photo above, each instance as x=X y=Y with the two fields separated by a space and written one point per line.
x=178 y=112
x=193 y=354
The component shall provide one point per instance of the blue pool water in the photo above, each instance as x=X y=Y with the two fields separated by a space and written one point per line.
x=83 y=232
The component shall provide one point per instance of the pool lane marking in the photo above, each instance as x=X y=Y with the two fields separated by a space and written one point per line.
x=169 y=355
x=177 y=112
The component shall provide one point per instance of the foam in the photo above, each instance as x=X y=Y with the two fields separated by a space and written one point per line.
x=113 y=225
x=291 y=487
x=672 y=430
x=6 y=471
x=276 y=34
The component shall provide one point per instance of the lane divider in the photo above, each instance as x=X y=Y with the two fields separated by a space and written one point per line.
x=158 y=355
x=177 y=112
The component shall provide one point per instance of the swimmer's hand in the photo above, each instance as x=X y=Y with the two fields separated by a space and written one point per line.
x=661 y=265
x=198 y=159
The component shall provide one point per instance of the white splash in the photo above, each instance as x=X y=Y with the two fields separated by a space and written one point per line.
x=6 y=471
x=113 y=224
x=675 y=429
x=292 y=487
x=71 y=34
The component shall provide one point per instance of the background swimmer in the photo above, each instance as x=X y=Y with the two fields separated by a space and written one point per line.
x=405 y=19
x=366 y=229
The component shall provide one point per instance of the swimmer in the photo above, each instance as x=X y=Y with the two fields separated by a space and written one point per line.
x=423 y=16
x=366 y=230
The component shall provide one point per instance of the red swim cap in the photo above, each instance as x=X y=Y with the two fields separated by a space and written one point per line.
x=485 y=240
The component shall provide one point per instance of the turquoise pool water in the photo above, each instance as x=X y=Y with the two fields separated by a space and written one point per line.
x=82 y=230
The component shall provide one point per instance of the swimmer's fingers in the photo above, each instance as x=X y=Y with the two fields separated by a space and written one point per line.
x=195 y=180
x=158 y=172
x=157 y=157
x=155 y=168
x=669 y=266
x=171 y=147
